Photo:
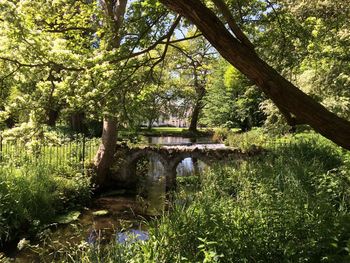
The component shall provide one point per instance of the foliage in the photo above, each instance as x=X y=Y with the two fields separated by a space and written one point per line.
x=248 y=140
x=275 y=122
x=231 y=101
x=57 y=59
x=306 y=41
x=289 y=205
x=40 y=180
x=57 y=62
x=33 y=195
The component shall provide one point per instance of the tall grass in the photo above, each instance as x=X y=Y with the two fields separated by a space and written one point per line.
x=32 y=195
x=39 y=181
x=65 y=152
x=288 y=205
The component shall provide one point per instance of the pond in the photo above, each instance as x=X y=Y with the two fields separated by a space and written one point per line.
x=108 y=218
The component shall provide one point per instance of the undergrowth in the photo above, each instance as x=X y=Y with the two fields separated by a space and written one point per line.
x=290 y=204
x=33 y=195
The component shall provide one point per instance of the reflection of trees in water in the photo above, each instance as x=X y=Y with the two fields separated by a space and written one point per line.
x=149 y=173
x=141 y=174
x=150 y=176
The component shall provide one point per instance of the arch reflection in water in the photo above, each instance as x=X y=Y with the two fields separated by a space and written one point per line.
x=152 y=194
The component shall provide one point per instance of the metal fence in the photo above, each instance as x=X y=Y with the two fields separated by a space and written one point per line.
x=67 y=152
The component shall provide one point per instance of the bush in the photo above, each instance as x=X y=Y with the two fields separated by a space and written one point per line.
x=246 y=140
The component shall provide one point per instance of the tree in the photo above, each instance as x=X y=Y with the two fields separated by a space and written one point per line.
x=79 y=56
x=114 y=18
x=306 y=42
x=43 y=54
x=131 y=37
x=236 y=48
x=191 y=62
x=231 y=100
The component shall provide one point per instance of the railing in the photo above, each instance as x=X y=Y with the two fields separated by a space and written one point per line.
x=72 y=152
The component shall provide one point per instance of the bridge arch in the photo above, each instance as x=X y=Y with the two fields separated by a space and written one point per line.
x=169 y=157
x=128 y=170
x=137 y=155
x=175 y=161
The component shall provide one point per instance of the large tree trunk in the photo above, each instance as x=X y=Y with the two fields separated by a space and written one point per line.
x=289 y=99
x=77 y=122
x=106 y=151
x=197 y=109
x=114 y=11
x=195 y=117
x=52 y=117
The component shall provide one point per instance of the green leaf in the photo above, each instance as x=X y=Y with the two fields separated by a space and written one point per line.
x=101 y=213
x=68 y=218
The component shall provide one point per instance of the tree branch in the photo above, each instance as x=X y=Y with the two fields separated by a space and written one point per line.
x=160 y=41
x=63 y=29
x=220 y=4
x=58 y=67
x=167 y=43
x=184 y=39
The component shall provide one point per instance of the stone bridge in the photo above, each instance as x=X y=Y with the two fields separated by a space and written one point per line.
x=123 y=171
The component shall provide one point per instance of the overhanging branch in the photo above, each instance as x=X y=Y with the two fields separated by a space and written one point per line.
x=164 y=40
x=220 y=4
x=51 y=64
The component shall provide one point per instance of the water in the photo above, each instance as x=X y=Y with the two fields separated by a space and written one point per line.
x=109 y=217
x=155 y=187
x=170 y=140
x=132 y=236
x=123 y=223
x=117 y=217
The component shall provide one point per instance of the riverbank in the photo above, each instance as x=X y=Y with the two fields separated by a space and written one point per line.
x=34 y=195
x=168 y=132
x=289 y=205
x=107 y=217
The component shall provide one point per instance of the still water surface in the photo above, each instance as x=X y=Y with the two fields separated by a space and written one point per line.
x=168 y=140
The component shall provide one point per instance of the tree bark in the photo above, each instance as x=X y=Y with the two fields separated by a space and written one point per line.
x=52 y=117
x=282 y=92
x=114 y=11
x=197 y=109
x=106 y=151
x=77 y=122
x=194 y=117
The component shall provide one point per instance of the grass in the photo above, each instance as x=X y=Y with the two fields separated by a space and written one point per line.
x=166 y=129
x=291 y=204
x=64 y=153
x=34 y=192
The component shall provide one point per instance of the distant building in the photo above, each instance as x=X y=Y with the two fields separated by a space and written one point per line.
x=173 y=121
